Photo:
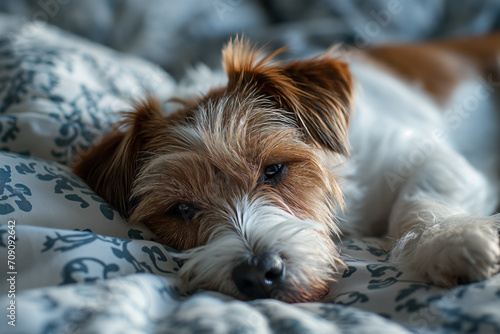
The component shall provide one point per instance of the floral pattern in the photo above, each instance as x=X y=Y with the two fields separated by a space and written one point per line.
x=71 y=94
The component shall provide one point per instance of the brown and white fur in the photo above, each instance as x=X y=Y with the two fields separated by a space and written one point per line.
x=252 y=177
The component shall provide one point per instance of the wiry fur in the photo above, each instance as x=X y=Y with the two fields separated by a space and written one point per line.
x=212 y=153
x=252 y=226
x=226 y=144
x=317 y=92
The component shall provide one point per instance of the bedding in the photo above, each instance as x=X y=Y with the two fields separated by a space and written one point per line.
x=178 y=34
x=71 y=264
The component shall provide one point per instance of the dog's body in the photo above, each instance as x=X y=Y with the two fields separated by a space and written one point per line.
x=423 y=173
x=252 y=178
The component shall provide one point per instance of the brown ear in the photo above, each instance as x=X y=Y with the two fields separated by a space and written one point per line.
x=316 y=91
x=109 y=167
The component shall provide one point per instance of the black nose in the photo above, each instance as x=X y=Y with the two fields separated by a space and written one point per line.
x=260 y=276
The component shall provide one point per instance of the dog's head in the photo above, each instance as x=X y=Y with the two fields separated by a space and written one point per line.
x=238 y=179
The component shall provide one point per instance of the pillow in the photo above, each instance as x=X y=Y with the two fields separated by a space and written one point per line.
x=60 y=93
x=47 y=194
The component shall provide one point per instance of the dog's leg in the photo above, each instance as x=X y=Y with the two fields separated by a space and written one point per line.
x=439 y=223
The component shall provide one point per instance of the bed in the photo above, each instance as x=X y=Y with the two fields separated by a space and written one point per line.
x=72 y=264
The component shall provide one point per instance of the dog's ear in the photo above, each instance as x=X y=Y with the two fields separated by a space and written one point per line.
x=109 y=167
x=323 y=103
x=317 y=91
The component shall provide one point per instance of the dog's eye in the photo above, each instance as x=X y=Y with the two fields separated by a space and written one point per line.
x=183 y=211
x=273 y=173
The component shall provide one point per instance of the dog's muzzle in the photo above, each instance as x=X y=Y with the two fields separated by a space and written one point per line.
x=260 y=251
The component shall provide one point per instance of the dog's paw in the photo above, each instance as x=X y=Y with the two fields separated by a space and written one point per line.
x=455 y=251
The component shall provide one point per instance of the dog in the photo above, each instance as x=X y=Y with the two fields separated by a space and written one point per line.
x=254 y=178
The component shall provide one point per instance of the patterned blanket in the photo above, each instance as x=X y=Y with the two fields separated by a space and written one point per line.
x=71 y=264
